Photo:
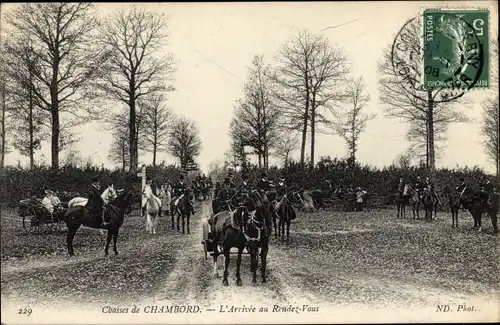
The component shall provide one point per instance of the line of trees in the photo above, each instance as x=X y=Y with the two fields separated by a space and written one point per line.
x=309 y=91
x=62 y=66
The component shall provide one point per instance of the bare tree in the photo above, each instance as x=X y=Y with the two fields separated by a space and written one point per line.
x=236 y=155
x=62 y=38
x=310 y=72
x=285 y=145
x=351 y=123
x=491 y=116
x=27 y=115
x=3 y=108
x=184 y=142
x=425 y=109
x=137 y=66
x=119 y=151
x=255 y=121
x=403 y=160
x=157 y=121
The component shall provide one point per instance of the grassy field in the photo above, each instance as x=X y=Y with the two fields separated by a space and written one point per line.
x=342 y=258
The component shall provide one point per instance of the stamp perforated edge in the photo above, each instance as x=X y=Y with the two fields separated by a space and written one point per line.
x=465 y=8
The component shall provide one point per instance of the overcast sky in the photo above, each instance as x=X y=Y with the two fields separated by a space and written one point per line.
x=214 y=44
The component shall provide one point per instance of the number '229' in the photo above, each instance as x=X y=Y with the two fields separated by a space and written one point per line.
x=24 y=311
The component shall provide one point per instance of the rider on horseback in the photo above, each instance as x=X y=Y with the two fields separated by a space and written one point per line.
x=225 y=194
x=96 y=204
x=281 y=191
x=419 y=186
x=180 y=190
x=461 y=187
x=485 y=188
x=430 y=187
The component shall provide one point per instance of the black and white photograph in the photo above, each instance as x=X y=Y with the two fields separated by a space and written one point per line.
x=249 y=162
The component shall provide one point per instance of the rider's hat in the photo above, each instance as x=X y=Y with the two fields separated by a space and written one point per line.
x=148 y=179
x=461 y=179
x=95 y=179
x=181 y=176
x=264 y=174
x=227 y=181
x=244 y=176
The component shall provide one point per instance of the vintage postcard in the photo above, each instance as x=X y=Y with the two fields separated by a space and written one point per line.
x=236 y=163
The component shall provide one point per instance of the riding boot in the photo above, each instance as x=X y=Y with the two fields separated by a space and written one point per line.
x=104 y=223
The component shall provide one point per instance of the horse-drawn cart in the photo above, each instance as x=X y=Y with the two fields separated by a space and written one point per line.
x=35 y=215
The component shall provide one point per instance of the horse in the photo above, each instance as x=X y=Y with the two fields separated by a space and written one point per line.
x=285 y=213
x=228 y=233
x=152 y=210
x=429 y=202
x=183 y=210
x=257 y=233
x=79 y=215
x=454 y=204
x=477 y=205
x=308 y=201
x=108 y=195
x=410 y=197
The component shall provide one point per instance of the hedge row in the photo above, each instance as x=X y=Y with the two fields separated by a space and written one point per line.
x=17 y=183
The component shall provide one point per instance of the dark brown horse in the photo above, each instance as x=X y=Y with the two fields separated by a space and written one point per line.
x=430 y=204
x=183 y=211
x=478 y=205
x=285 y=213
x=80 y=215
x=229 y=229
x=454 y=204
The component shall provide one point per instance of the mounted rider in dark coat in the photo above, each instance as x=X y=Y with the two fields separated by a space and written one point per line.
x=485 y=189
x=430 y=187
x=180 y=189
x=96 y=205
x=225 y=194
x=461 y=186
x=419 y=187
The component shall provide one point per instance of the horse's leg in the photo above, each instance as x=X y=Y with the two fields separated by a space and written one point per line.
x=187 y=222
x=183 y=223
x=494 y=221
x=115 y=239
x=263 y=258
x=288 y=222
x=238 y=266
x=216 y=256
x=275 y=220
x=172 y=217
x=282 y=227
x=178 y=222
x=254 y=251
x=108 y=240
x=226 y=249
x=69 y=239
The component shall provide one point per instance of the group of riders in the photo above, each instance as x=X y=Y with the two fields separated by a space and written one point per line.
x=486 y=189
x=227 y=195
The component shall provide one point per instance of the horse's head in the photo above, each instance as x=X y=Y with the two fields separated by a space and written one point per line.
x=241 y=216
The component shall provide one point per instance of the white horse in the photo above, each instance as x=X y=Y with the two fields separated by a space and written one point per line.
x=109 y=195
x=152 y=210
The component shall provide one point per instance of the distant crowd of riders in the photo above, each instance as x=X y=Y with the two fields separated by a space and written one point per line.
x=226 y=194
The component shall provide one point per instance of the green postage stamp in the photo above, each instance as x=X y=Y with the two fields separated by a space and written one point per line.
x=456 y=48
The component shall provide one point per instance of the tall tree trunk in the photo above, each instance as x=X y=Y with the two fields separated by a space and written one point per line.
x=55 y=138
x=432 y=157
x=2 y=128
x=54 y=101
x=133 y=140
x=154 y=153
x=427 y=147
x=124 y=157
x=313 y=130
x=31 y=144
x=304 y=130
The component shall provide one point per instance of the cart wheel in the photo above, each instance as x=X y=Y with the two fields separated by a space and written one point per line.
x=205 y=249
x=30 y=220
